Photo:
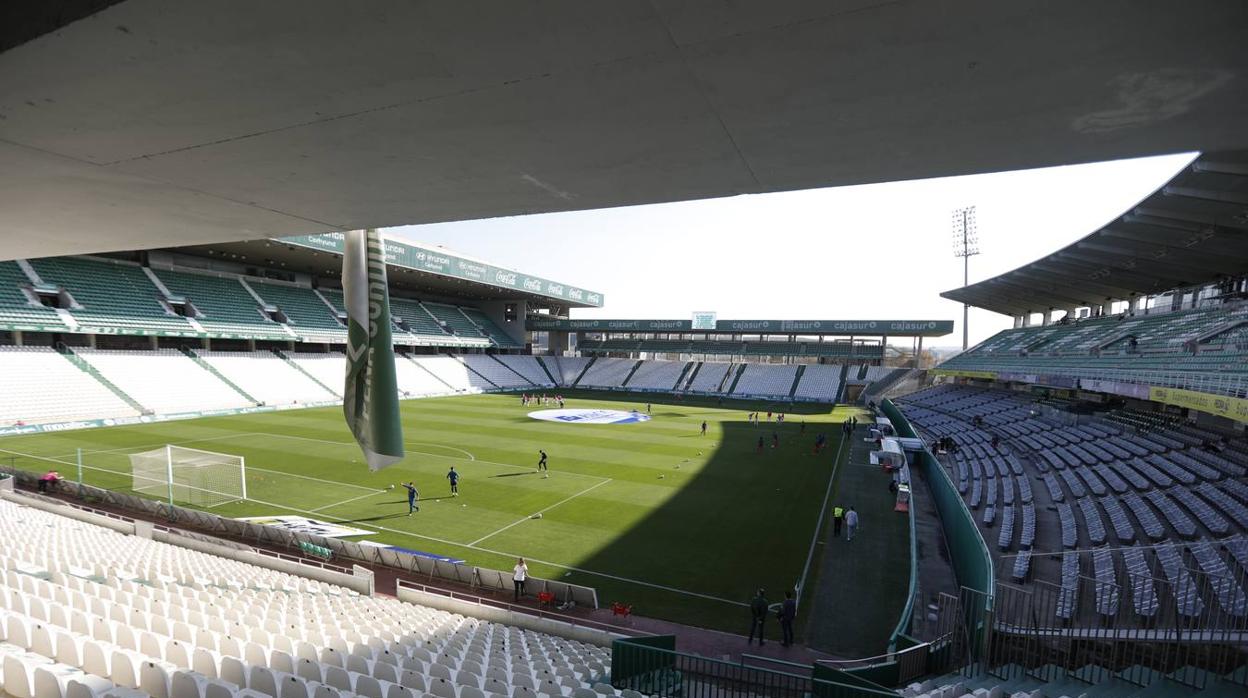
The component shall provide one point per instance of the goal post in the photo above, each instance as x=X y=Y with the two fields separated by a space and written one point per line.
x=189 y=475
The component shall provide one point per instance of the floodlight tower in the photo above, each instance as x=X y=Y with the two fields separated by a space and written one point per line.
x=965 y=245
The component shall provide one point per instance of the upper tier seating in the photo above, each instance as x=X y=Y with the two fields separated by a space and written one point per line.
x=713 y=347
x=455 y=321
x=414 y=315
x=225 y=304
x=819 y=382
x=769 y=380
x=165 y=381
x=492 y=330
x=1179 y=349
x=39 y=385
x=656 y=375
x=112 y=295
x=92 y=612
x=305 y=312
x=607 y=373
x=266 y=377
x=15 y=308
x=528 y=367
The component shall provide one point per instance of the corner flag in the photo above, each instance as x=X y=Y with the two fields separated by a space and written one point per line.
x=371 y=397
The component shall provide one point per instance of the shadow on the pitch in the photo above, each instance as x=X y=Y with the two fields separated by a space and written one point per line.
x=514 y=474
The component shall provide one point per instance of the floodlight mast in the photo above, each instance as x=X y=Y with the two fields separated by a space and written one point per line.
x=965 y=245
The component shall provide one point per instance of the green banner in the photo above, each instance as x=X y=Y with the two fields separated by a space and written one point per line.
x=840 y=328
x=609 y=325
x=904 y=328
x=370 y=399
x=435 y=261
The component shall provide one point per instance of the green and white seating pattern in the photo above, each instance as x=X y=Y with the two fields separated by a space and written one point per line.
x=227 y=307
x=15 y=308
x=710 y=376
x=113 y=295
x=656 y=375
x=528 y=367
x=306 y=314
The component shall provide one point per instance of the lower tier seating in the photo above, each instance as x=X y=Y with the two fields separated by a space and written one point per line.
x=88 y=612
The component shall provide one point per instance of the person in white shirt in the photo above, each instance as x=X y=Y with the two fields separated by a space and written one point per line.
x=851 y=523
x=521 y=573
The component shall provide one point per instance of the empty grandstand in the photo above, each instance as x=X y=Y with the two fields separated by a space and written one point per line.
x=91 y=611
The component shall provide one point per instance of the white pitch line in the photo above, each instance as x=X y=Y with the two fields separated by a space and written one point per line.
x=163 y=443
x=353 y=499
x=582 y=570
x=543 y=511
x=314 y=479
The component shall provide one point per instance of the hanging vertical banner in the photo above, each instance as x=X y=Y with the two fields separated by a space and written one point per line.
x=371 y=397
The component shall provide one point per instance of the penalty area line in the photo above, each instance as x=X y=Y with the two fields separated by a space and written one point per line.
x=353 y=499
x=542 y=511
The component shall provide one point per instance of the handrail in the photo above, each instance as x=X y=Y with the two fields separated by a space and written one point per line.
x=527 y=610
x=881 y=658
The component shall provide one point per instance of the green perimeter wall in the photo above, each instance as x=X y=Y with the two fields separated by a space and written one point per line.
x=972 y=564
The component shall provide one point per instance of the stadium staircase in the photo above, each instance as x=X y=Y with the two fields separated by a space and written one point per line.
x=631 y=371
x=190 y=353
x=304 y=371
x=542 y=362
x=509 y=368
x=797 y=378
x=424 y=368
x=693 y=374
x=472 y=370
x=680 y=378
x=840 y=391
x=862 y=372
x=735 y=379
x=584 y=371
x=95 y=373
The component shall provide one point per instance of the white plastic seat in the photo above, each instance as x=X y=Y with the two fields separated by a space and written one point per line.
x=262 y=679
x=294 y=687
x=442 y=688
x=604 y=689
x=19 y=673
x=369 y=687
x=52 y=680
x=87 y=686
x=583 y=693
x=233 y=671
x=187 y=684
x=338 y=678
x=154 y=679
x=470 y=692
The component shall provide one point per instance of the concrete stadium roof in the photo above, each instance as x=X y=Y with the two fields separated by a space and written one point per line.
x=129 y=124
x=1193 y=230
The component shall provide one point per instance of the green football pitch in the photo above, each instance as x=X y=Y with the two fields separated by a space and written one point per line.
x=680 y=525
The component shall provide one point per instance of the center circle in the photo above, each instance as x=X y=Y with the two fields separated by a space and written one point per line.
x=590 y=416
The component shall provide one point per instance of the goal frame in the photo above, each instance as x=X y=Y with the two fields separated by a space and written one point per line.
x=171 y=484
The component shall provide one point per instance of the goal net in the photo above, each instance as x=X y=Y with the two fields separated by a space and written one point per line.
x=189 y=476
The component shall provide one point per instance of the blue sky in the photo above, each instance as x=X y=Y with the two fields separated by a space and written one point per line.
x=879 y=251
